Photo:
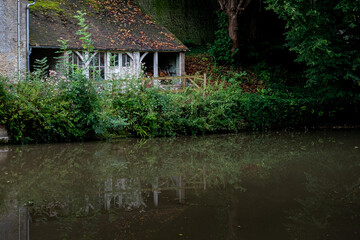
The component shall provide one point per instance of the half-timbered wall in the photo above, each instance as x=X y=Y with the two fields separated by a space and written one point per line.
x=115 y=65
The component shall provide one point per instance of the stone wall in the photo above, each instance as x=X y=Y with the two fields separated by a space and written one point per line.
x=9 y=59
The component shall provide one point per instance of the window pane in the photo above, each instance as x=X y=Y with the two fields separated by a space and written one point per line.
x=102 y=73
x=76 y=60
x=126 y=60
x=102 y=59
x=95 y=60
x=114 y=59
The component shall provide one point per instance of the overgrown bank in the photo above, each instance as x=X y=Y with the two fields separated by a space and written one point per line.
x=71 y=108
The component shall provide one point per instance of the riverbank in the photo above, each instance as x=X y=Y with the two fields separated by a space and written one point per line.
x=72 y=108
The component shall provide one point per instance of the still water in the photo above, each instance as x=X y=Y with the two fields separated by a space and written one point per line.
x=240 y=186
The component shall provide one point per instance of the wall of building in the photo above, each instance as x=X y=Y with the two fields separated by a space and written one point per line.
x=12 y=38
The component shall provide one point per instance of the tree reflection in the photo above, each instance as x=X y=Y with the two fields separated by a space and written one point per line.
x=331 y=208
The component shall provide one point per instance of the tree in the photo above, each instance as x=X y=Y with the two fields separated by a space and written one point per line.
x=220 y=49
x=326 y=36
x=233 y=9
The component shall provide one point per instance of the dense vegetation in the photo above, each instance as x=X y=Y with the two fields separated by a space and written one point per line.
x=42 y=109
x=324 y=35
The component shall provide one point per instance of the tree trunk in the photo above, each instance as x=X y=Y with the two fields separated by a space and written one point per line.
x=233 y=9
x=233 y=31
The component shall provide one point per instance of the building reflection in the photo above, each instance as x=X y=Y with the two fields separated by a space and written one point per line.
x=15 y=224
x=131 y=193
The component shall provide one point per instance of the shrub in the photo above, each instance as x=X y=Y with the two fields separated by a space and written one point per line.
x=151 y=112
x=3 y=99
x=52 y=109
x=68 y=108
x=325 y=35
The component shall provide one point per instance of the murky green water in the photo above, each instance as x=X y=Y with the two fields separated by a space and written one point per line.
x=243 y=186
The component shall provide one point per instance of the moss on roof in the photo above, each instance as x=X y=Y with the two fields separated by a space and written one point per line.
x=114 y=25
x=50 y=5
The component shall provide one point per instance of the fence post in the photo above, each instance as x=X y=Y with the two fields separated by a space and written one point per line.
x=204 y=86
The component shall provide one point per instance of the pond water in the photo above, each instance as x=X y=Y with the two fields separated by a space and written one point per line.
x=239 y=186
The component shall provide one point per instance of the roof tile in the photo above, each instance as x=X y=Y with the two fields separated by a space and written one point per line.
x=115 y=25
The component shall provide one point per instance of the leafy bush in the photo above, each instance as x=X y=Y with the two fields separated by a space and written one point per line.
x=3 y=99
x=73 y=108
x=52 y=109
x=224 y=107
x=151 y=112
x=325 y=35
x=271 y=112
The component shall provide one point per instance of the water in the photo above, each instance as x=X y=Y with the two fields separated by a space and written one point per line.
x=239 y=186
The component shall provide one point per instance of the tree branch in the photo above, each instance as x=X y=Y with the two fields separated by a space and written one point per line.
x=239 y=5
x=222 y=4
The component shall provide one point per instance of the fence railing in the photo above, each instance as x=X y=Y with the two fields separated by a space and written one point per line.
x=176 y=82
x=164 y=83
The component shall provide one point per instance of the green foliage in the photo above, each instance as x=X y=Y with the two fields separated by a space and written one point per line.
x=221 y=48
x=226 y=108
x=3 y=99
x=83 y=34
x=41 y=67
x=325 y=35
x=268 y=111
x=44 y=6
x=73 y=108
x=47 y=109
x=49 y=106
x=151 y=112
x=38 y=110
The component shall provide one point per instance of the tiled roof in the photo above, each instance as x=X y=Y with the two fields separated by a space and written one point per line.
x=114 y=25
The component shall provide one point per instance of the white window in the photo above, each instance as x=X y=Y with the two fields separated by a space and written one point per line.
x=97 y=66
x=114 y=59
x=126 y=60
x=76 y=60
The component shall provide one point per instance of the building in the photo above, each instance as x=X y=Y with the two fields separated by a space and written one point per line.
x=126 y=40
x=12 y=36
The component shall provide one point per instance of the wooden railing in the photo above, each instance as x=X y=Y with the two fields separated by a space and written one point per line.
x=185 y=81
x=169 y=83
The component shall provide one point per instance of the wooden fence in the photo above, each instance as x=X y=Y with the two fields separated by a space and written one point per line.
x=176 y=82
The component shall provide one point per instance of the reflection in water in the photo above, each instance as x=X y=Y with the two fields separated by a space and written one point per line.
x=243 y=186
x=14 y=225
x=331 y=208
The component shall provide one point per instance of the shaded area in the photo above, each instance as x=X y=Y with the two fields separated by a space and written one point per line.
x=193 y=22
